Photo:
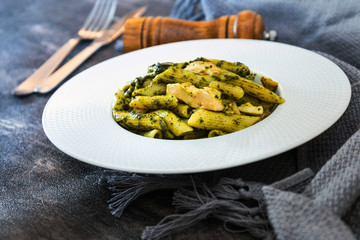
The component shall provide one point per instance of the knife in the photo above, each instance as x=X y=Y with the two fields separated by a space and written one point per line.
x=110 y=35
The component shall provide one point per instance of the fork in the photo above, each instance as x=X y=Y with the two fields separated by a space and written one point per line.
x=94 y=26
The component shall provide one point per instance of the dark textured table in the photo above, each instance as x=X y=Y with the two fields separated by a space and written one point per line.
x=46 y=194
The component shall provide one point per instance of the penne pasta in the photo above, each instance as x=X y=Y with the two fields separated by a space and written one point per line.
x=179 y=75
x=202 y=98
x=215 y=133
x=119 y=100
x=196 y=134
x=233 y=91
x=151 y=90
x=268 y=83
x=174 y=123
x=254 y=101
x=235 y=67
x=139 y=121
x=209 y=120
x=155 y=133
x=210 y=69
x=248 y=108
x=154 y=102
x=258 y=91
x=182 y=110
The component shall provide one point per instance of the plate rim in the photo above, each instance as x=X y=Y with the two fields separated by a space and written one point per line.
x=175 y=170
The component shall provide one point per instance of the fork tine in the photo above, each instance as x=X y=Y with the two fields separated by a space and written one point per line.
x=99 y=19
x=93 y=13
x=101 y=16
x=97 y=16
x=109 y=16
x=108 y=10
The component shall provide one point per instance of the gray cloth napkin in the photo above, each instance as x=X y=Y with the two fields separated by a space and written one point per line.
x=269 y=199
x=331 y=27
x=329 y=208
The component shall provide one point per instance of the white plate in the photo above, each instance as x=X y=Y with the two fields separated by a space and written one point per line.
x=78 y=119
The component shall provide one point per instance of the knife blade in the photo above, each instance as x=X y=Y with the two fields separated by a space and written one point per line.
x=109 y=36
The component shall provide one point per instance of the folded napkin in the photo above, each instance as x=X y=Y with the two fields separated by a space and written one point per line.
x=312 y=192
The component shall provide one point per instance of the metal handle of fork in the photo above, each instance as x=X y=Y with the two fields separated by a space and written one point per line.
x=54 y=79
x=46 y=68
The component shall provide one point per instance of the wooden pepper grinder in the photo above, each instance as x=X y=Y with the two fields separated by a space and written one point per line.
x=149 y=31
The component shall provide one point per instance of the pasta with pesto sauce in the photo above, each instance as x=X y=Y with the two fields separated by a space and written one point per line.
x=197 y=99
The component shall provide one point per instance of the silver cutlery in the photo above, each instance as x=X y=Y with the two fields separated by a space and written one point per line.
x=94 y=26
x=110 y=35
